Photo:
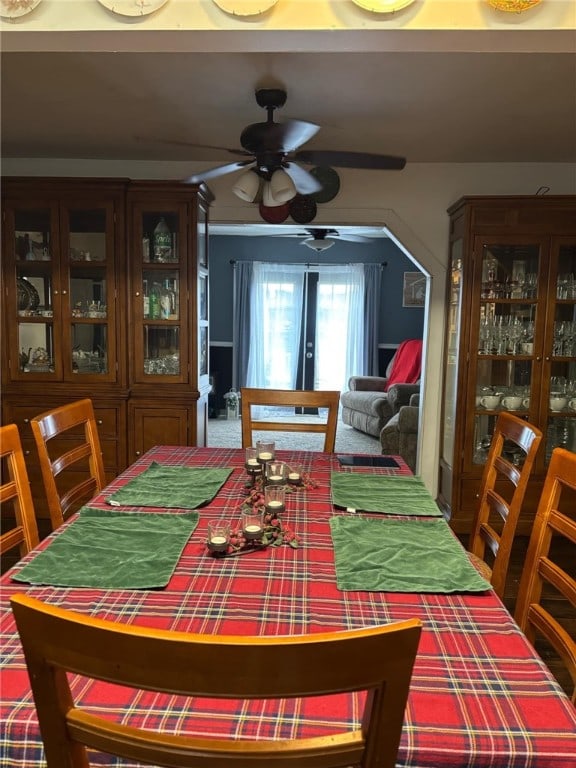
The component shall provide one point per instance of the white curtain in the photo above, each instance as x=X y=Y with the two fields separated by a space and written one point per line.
x=275 y=319
x=339 y=325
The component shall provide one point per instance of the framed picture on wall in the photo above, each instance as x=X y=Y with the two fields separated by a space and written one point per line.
x=414 y=289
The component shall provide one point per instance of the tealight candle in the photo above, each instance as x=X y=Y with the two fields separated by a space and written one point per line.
x=218 y=535
x=274 y=497
x=253 y=466
x=276 y=473
x=295 y=476
x=252 y=527
x=265 y=451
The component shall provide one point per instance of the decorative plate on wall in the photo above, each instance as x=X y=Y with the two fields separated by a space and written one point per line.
x=11 y=9
x=513 y=6
x=383 y=6
x=245 y=7
x=133 y=7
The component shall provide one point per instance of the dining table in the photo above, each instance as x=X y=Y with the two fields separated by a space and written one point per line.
x=480 y=696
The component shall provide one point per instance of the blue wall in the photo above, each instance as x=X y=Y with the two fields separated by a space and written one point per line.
x=396 y=322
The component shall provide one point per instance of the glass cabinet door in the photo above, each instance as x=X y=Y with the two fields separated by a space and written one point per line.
x=32 y=247
x=559 y=397
x=89 y=278
x=507 y=336
x=452 y=353
x=160 y=309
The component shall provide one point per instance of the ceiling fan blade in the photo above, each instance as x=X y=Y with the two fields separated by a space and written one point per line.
x=353 y=238
x=350 y=159
x=297 y=132
x=304 y=182
x=178 y=143
x=276 y=138
x=220 y=170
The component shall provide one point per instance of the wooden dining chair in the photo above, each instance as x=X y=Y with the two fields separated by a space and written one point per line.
x=554 y=525
x=15 y=490
x=296 y=398
x=57 y=641
x=72 y=465
x=501 y=494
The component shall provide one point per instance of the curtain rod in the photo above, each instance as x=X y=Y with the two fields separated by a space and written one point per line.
x=310 y=264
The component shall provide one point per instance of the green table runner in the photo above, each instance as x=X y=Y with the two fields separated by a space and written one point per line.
x=379 y=493
x=383 y=555
x=163 y=486
x=113 y=550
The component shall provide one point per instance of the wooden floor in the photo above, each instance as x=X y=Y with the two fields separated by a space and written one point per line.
x=557 y=606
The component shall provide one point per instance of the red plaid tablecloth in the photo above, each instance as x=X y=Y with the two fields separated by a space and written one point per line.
x=480 y=696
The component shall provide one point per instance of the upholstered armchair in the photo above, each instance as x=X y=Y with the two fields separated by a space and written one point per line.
x=372 y=401
x=400 y=436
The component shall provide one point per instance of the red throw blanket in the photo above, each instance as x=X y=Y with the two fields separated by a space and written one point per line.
x=407 y=365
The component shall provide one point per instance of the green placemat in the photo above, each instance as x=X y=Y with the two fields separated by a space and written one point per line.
x=383 y=555
x=380 y=493
x=171 y=487
x=113 y=550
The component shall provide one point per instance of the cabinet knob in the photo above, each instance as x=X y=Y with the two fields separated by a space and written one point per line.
x=137 y=293
x=26 y=421
x=99 y=422
x=56 y=293
x=539 y=359
x=26 y=453
x=64 y=293
x=137 y=453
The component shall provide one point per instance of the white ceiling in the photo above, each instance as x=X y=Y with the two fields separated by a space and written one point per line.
x=429 y=107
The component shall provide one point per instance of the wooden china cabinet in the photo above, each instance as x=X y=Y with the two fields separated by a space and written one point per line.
x=80 y=257
x=511 y=338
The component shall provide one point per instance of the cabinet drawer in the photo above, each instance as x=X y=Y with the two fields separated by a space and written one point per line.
x=106 y=419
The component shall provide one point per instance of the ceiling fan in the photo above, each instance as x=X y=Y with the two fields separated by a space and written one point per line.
x=269 y=147
x=322 y=239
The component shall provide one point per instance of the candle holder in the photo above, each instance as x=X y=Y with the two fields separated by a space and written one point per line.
x=252 y=465
x=294 y=475
x=276 y=472
x=265 y=452
x=218 y=535
x=274 y=500
x=252 y=525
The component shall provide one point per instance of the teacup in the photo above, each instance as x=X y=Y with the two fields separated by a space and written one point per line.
x=558 y=402
x=572 y=404
x=490 y=401
x=512 y=402
x=526 y=402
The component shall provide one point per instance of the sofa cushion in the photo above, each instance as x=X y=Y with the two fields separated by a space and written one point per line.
x=371 y=403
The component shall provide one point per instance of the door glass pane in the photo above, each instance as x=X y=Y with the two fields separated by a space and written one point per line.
x=88 y=293
x=453 y=345
x=510 y=271
x=34 y=289
x=161 y=295
x=161 y=350
x=36 y=345
x=160 y=237
x=87 y=235
x=89 y=348
x=32 y=235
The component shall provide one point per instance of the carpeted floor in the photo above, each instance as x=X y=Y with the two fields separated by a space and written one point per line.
x=226 y=434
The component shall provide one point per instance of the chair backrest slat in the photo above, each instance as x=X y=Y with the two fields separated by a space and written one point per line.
x=77 y=423
x=15 y=488
x=253 y=397
x=555 y=519
x=57 y=641
x=502 y=504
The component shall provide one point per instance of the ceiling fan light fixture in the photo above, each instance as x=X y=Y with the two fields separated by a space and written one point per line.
x=247 y=186
x=268 y=198
x=282 y=187
x=319 y=244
